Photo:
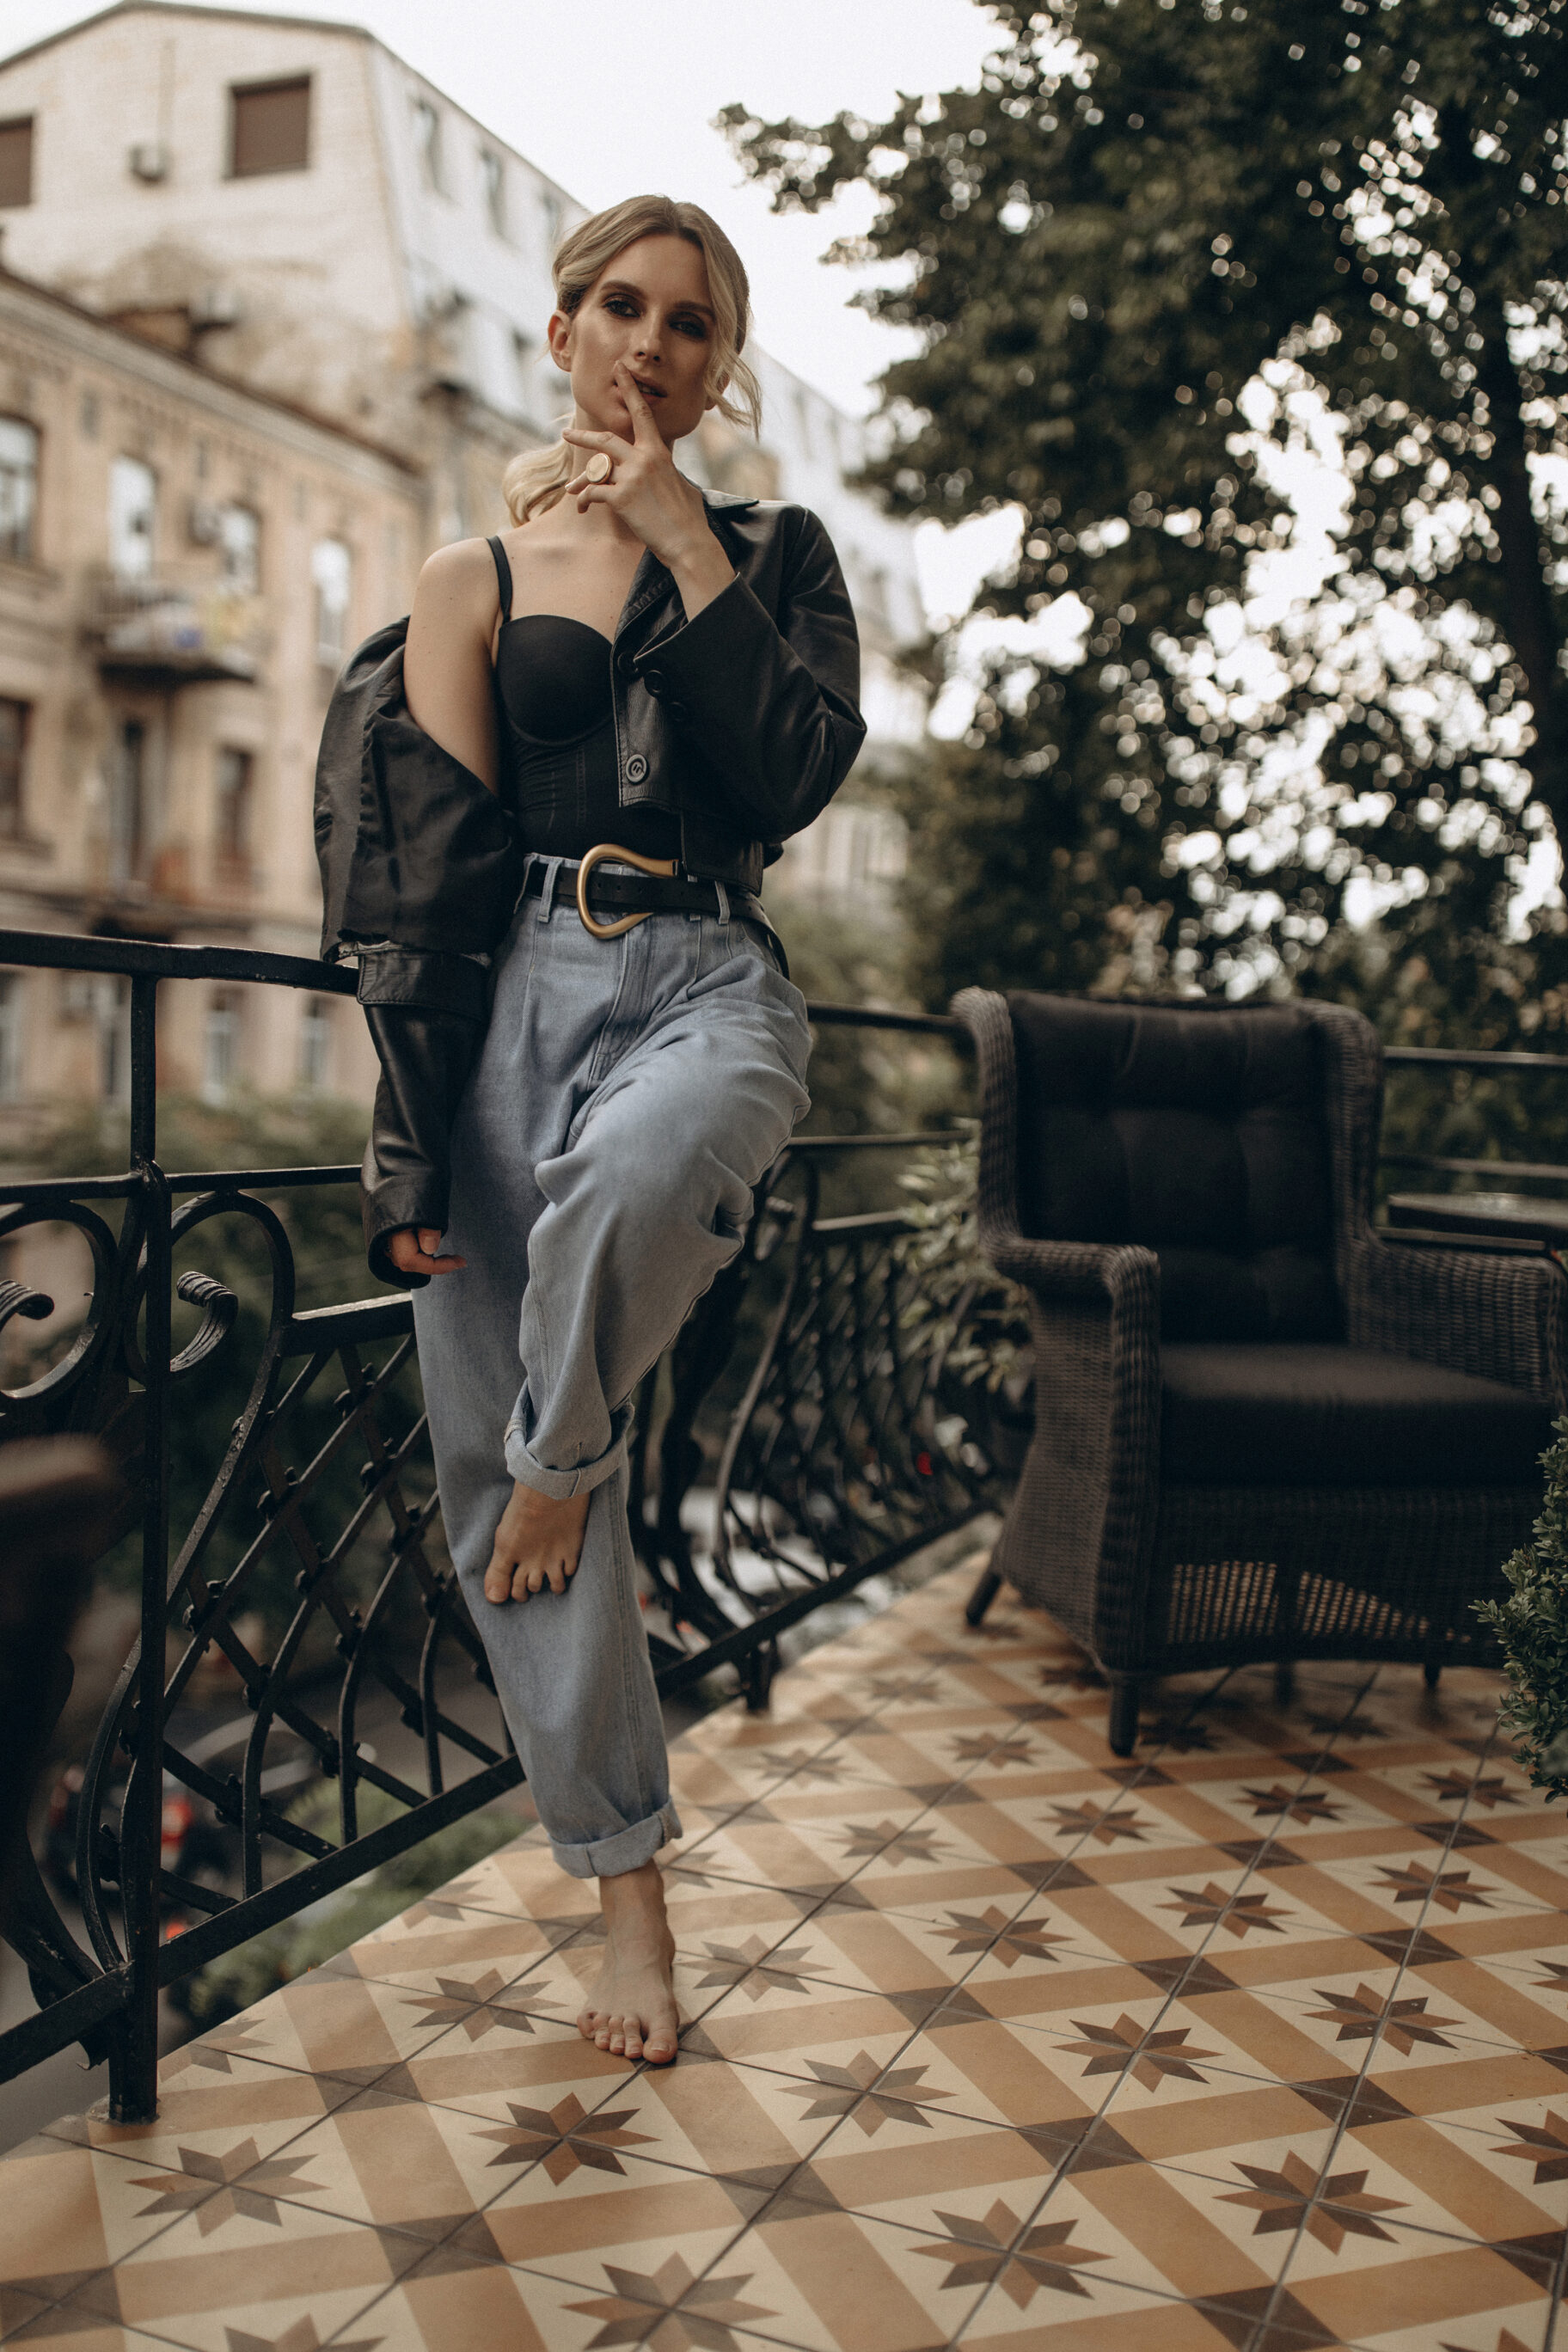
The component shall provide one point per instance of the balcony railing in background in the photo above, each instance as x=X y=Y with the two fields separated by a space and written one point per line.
x=165 y=632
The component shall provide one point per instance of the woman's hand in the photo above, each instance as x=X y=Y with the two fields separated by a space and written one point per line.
x=413 y=1250
x=665 y=510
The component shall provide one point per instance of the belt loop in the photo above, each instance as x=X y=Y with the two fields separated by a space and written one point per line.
x=723 y=901
x=547 y=894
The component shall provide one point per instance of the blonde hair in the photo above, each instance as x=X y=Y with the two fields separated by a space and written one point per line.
x=535 y=478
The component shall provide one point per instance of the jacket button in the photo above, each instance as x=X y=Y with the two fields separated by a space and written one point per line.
x=637 y=767
x=679 y=712
x=627 y=660
x=656 y=680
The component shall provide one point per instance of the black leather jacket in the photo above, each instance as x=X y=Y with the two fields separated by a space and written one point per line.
x=744 y=722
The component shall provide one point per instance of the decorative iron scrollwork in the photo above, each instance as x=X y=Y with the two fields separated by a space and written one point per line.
x=323 y=1503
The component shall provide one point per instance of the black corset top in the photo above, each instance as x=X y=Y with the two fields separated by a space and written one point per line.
x=555 y=714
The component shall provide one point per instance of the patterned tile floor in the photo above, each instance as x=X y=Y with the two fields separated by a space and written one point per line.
x=1259 y=2041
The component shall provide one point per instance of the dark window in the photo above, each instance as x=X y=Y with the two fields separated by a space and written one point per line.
x=18 y=488
x=16 y=160
x=231 y=830
x=112 y=1009
x=127 y=803
x=13 y=757
x=270 y=130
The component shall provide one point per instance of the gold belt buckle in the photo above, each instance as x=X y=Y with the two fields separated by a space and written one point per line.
x=596 y=857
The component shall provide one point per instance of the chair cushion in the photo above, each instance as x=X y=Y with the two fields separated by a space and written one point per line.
x=1195 y=1130
x=1332 y=1416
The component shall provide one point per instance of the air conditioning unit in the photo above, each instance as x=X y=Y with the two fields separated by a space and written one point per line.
x=204 y=523
x=217 y=306
x=149 y=160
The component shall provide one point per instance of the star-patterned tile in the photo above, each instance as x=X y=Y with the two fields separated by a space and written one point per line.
x=990 y=2040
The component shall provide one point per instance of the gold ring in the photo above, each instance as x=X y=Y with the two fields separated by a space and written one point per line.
x=597 y=468
x=596 y=856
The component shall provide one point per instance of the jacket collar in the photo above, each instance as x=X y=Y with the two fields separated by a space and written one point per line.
x=651 y=581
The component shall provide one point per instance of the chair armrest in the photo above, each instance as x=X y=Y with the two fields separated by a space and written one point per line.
x=1078 y=1537
x=1499 y=1316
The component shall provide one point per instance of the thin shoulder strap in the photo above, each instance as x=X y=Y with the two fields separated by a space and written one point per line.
x=503 y=577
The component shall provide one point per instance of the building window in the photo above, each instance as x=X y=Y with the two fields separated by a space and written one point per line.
x=270 y=128
x=428 y=145
x=549 y=216
x=89 y=413
x=492 y=174
x=10 y=1036
x=220 y=1056
x=16 y=161
x=18 y=488
x=315 y=1043
x=111 y=1010
x=132 y=518
x=239 y=536
x=14 y=718
x=231 y=820
x=127 y=803
x=333 y=573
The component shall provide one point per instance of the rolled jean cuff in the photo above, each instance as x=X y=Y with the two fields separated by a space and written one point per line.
x=628 y=1849
x=562 y=1484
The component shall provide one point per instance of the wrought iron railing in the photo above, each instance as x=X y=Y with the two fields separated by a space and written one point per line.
x=1439 y=1057
x=843 y=1456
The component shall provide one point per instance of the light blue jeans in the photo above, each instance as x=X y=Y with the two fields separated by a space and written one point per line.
x=630 y=1094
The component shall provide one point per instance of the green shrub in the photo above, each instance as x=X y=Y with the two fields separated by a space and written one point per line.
x=964 y=1310
x=1532 y=1626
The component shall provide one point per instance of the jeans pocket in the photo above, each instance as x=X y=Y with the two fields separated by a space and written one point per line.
x=722 y=944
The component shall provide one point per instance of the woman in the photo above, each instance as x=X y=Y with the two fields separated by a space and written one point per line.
x=671 y=674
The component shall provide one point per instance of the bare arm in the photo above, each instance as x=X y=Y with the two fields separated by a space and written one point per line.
x=446 y=666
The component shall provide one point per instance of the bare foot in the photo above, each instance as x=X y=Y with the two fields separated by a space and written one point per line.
x=538 y=1543
x=632 y=2013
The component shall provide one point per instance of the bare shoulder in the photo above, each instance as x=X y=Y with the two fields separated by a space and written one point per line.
x=457 y=583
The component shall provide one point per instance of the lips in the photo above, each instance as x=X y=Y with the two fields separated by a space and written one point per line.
x=648 y=391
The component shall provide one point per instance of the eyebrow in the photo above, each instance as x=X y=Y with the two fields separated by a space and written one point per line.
x=624 y=286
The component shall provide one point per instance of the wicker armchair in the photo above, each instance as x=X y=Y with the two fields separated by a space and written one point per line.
x=1261 y=1429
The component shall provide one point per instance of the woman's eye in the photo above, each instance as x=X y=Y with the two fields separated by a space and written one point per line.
x=620 y=305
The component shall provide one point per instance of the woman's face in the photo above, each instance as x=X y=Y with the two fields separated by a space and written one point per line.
x=649 y=306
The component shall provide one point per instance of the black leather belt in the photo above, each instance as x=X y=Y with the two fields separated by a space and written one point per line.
x=648 y=893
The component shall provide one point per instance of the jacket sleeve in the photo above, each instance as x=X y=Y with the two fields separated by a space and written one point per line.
x=774 y=705
x=417 y=857
x=426 y=1016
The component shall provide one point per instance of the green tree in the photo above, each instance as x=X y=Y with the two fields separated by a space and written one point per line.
x=1160 y=246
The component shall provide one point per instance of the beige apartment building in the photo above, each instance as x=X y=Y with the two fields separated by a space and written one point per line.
x=271 y=326
x=183 y=566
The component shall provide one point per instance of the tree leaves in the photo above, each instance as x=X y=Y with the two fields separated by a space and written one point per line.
x=1142 y=211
